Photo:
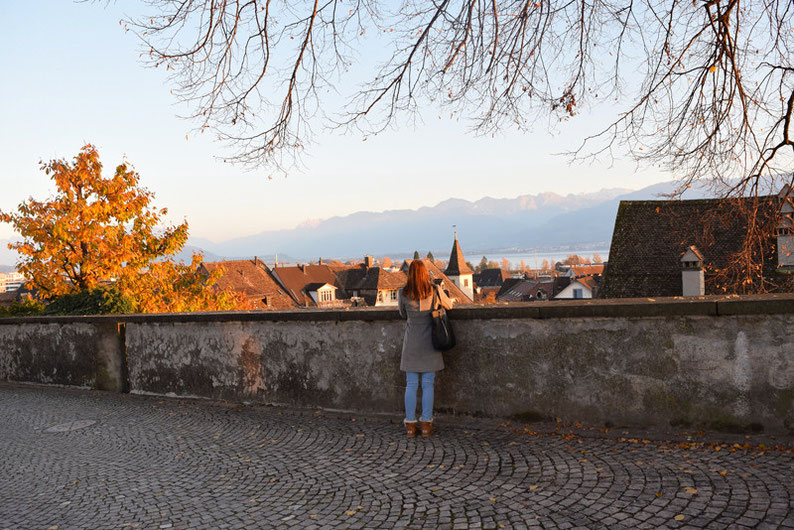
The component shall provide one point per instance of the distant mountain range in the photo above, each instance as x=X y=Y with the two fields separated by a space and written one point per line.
x=545 y=220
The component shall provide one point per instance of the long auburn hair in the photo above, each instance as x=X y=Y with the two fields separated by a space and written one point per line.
x=418 y=286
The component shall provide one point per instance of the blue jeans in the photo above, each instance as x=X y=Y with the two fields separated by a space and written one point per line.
x=411 y=386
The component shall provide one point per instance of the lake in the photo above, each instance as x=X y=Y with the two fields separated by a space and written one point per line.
x=534 y=259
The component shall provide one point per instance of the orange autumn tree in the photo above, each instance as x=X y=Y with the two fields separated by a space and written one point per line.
x=99 y=230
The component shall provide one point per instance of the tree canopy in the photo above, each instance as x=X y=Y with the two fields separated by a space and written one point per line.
x=97 y=231
x=703 y=88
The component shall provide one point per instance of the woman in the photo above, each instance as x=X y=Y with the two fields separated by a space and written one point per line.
x=419 y=359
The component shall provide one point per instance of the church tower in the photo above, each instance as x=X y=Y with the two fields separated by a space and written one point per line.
x=458 y=271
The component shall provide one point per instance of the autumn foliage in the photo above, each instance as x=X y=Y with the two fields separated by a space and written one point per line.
x=98 y=231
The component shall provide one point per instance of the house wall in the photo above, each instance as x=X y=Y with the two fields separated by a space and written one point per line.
x=712 y=362
x=387 y=300
x=567 y=293
x=459 y=281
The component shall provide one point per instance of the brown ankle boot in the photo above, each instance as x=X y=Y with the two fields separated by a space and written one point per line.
x=427 y=428
x=410 y=428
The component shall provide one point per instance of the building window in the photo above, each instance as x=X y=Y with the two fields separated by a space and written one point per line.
x=466 y=282
x=577 y=293
x=394 y=295
x=326 y=296
x=380 y=296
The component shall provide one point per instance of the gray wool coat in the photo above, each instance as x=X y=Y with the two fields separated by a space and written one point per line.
x=418 y=353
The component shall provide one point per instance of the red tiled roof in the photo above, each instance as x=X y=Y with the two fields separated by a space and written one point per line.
x=252 y=280
x=295 y=280
x=587 y=270
x=587 y=281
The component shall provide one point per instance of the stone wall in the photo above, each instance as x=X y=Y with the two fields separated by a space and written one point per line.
x=725 y=364
x=63 y=352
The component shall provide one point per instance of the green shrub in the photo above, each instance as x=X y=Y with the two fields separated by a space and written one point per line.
x=23 y=308
x=102 y=301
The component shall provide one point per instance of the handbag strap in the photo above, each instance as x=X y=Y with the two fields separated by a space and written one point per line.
x=436 y=300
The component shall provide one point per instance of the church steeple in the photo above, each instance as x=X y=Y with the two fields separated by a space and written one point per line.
x=457 y=265
x=458 y=271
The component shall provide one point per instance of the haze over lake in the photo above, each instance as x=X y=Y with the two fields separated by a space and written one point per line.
x=533 y=259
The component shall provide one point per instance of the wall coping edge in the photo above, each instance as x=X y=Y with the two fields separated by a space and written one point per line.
x=731 y=305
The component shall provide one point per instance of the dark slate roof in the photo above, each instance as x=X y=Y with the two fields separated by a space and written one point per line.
x=8 y=297
x=457 y=265
x=651 y=236
x=507 y=285
x=491 y=277
x=525 y=290
x=253 y=280
x=361 y=277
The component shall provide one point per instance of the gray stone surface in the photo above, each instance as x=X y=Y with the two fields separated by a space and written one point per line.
x=150 y=462
x=87 y=352
x=725 y=372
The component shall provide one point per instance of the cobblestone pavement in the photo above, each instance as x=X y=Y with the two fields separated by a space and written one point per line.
x=82 y=459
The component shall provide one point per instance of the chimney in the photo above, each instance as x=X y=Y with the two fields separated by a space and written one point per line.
x=785 y=231
x=368 y=261
x=320 y=261
x=692 y=281
x=302 y=267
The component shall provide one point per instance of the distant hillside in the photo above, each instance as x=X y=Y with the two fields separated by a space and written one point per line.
x=483 y=224
x=525 y=222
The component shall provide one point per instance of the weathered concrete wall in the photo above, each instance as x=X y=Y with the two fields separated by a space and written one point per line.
x=89 y=354
x=727 y=364
x=719 y=363
x=726 y=372
x=348 y=365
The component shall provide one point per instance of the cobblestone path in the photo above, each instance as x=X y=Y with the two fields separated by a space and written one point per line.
x=81 y=459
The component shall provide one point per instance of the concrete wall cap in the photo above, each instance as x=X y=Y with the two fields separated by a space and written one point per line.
x=624 y=307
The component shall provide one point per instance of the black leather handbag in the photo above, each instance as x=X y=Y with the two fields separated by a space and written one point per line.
x=443 y=336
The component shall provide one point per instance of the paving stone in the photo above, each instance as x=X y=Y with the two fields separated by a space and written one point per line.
x=153 y=462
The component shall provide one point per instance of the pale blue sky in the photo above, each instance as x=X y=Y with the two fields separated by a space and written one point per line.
x=72 y=76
